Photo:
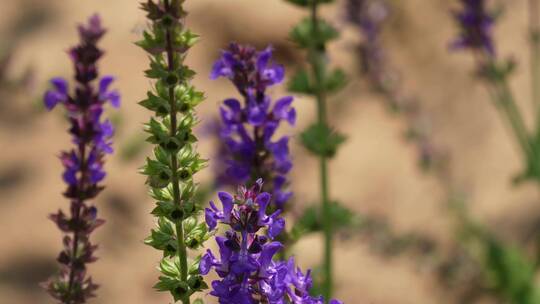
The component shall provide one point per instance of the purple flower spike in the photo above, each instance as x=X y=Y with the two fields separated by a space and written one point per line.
x=247 y=128
x=476 y=27
x=83 y=164
x=246 y=267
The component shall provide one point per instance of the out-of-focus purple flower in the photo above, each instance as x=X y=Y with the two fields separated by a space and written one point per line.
x=248 y=274
x=248 y=127
x=369 y=17
x=59 y=94
x=83 y=164
x=476 y=24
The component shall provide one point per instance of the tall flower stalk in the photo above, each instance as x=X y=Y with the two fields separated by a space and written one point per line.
x=175 y=161
x=83 y=164
x=313 y=34
x=476 y=22
x=369 y=18
x=247 y=273
x=248 y=126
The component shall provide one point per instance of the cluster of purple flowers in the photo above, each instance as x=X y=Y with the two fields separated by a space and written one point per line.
x=369 y=17
x=248 y=274
x=83 y=164
x=476 y=27
x=248 y=128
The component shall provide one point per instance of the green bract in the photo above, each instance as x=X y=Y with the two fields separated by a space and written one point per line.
x=175 y=161
x=303 y=35
x=321 y=140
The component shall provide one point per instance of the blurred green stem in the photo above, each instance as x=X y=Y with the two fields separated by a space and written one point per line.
x=506 y=101
x=534 y=32
x=318 y=65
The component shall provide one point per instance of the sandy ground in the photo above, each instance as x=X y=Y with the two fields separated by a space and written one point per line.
x=374 y=174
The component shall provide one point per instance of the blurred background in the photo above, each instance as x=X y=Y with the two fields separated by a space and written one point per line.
x=403 y=251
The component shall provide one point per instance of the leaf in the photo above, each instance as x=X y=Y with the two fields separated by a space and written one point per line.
x=157 y=104
x=169 y=268
x=300 y=83
x=506 y=268
x=497 y=71
x=311 y=220
x=335 y=81
x=308 y=33
x=321 y=140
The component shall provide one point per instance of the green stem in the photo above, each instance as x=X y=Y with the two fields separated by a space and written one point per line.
x=181 y=251
x=534 y=32
x=317 y=61
x=508 y=104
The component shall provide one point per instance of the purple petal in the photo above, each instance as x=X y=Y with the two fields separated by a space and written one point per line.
x=207 y=262
x=282 y=106
x=104 y=84
x=263 y=58
x=114 y=98
x=256 y=116
x=60 y=84
x=50 y=99
x=228 y=201
x=209 y=217
x=233 y=104
x=220 y=69
x=277 y=226
x=268 y=252
x=280 y=149
x=70 y=176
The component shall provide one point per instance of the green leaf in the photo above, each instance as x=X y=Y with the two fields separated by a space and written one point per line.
x=196 y=236
x=169 y=267
x=507 y=269
x=335 y=81
x=164 y=209
x=189 y=38
x=311 y=219
x=321 y=140
x=497 y=71
x=301 y=83
x=157 y=104
x=158 y=68
x=308 y=33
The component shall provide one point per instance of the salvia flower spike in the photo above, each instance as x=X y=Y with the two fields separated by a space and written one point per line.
x=248 y=126
x=369 y=17
x=246 y=269
x=83 y=164
x=476 y=24
x=175 y=161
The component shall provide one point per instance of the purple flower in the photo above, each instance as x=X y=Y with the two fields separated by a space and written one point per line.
x=246 y=268
x=83 y=164
x=248 y=127
x=108 y=95
x=476 y=27
x=57 y=95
